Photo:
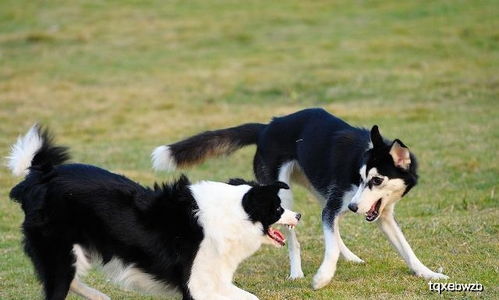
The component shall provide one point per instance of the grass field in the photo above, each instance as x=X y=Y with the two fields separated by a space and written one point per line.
x=114 y=79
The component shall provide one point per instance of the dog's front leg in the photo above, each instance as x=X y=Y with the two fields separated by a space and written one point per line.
x=344 y=251
x=332 y=251
x=237 y=293
x=390 y=227
x=224 y=288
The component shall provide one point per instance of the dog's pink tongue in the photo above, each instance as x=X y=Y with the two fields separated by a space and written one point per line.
x=277 y=235
x=372 y=214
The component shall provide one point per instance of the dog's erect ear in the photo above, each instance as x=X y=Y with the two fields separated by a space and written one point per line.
x=400 y=154
x=280 y=185
x=376 y=138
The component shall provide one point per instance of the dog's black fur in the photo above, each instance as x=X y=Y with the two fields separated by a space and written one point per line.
x=67 y=204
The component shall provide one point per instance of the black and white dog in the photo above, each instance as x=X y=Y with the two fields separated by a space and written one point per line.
x=344 y=166
x=181 y=236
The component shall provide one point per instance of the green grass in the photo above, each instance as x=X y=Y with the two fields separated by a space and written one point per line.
x=114 y=79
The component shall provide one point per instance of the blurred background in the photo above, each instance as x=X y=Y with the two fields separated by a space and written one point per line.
x=114 y=79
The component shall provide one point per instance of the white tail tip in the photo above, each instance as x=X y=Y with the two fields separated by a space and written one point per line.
x=23 y=151
x=162 y=159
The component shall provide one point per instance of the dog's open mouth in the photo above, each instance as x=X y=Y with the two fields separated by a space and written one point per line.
x=373 y=213
x=276 y=236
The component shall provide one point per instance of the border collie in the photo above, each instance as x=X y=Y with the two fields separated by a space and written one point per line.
x=181 y=236
x=344 y=166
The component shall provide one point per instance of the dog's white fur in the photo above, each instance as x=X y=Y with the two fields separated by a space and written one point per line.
x=162 y=159
x=230 y=237
x=23 y=151
x=127 y=276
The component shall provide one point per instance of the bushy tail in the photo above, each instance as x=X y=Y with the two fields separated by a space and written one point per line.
x=35 y=150
x=200 y=147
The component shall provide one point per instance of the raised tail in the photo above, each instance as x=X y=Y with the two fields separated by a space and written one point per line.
x=200 y=147
x=35 y=150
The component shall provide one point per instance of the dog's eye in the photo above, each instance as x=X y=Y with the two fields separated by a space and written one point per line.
x=279 y=209
x=376 y=180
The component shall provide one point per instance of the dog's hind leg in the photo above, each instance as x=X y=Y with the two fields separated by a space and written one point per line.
x=82 y=265
x=292 y=240
x=87 y=292
x=345 y=252
x=332 y=249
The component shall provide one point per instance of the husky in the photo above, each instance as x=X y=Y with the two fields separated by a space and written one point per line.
x=183 y=238
x=345 y=167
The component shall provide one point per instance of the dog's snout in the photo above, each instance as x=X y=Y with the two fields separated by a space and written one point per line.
x=298 y=216
x=353 y=207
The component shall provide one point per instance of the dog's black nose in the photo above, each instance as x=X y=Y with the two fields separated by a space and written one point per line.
x=298 y=216
x=353 y=207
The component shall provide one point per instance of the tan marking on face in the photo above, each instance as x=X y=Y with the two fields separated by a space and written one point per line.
x=390 y=191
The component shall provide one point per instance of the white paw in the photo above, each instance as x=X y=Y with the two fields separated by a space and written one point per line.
x=355 y=259
x=237 y=293
x=246 y=296
x=321 y=280
x=252 y=297
x=98 y=296
x=296 y=275
x=432 y=275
